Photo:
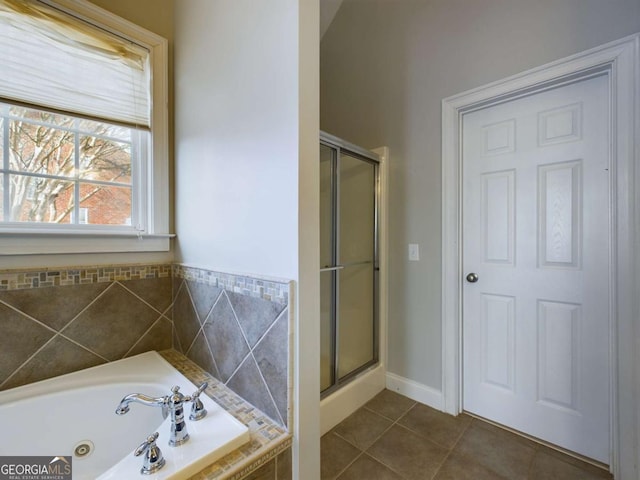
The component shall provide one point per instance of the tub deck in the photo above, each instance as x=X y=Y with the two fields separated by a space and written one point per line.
x=268 y=439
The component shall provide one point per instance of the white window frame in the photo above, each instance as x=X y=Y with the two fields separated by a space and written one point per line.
x=153 y=187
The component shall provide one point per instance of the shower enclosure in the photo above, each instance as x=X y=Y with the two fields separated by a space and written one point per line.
x=348 y=260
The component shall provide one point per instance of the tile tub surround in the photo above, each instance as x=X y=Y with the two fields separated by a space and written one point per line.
x=58 y=321
x=238 y=329
x=267 y=456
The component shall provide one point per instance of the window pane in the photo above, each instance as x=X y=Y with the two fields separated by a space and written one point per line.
x=55 y=119
x=44 y=200
x=105 y=160
x=40 y=149
x=106 y=205
x=105 y=129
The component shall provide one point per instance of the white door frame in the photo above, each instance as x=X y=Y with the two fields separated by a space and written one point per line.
x=620 y=61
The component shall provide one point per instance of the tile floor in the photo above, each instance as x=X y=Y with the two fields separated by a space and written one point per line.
x=395 y=438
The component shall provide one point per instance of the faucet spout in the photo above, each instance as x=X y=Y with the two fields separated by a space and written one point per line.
x=123 y=407
x=171 y=404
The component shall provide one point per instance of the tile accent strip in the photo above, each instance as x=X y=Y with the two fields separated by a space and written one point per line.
x=38 y=278
x=267 y=438
x=272 y=290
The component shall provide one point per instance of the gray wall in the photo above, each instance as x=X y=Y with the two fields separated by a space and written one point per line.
x=386 y=65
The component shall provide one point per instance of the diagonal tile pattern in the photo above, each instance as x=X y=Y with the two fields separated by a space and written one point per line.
x=240 y=338
x=103 y=314
x=271 y=355
x=395 y=438
x=188 y=325
x=56 y=306
x=235 y=327
x=204 y=296
x=255 y=315
x=112 y=311
x=57 y=357
x=228 y=344
x=21 y=337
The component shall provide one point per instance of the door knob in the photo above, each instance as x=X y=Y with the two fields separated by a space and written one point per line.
x=472 y=278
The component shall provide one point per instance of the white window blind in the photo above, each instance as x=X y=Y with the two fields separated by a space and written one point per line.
x=52 y=59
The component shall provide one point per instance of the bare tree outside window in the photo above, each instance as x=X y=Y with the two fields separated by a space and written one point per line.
x=54 y=165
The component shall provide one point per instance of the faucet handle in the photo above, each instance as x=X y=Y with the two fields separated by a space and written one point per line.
x=198 y=412
x=153 y=460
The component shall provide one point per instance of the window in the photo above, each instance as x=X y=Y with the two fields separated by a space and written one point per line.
x=83 y=131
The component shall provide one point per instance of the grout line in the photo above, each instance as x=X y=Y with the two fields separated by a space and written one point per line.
x=193 y=304
x=266 y=384
x=349 y=464
x=44 y=325
x=28 y=360
x=153 y=324
x=104 y=292
x=238 y=322
x=218 y=372
x=278 y=317
x=237 y=368
x=56 y=333
x=213 y=304
x=402 y=415
x=384 y=464
x=138 y=296
x=84 y=347
x=213 y=358
x=195 y=310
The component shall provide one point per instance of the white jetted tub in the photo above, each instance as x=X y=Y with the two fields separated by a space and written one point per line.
x=74 y=415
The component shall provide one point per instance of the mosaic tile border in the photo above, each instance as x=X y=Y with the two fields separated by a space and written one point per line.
x=267 y=438
x=57 y=277
x=265 y=288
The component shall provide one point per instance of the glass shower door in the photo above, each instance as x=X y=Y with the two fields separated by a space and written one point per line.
x=349 y=265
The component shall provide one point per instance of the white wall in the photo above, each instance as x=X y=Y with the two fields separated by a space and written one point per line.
x=236 y=136
x=247 y=175
x=385 y=67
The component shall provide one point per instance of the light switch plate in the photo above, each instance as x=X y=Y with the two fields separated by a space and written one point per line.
x=414 y=252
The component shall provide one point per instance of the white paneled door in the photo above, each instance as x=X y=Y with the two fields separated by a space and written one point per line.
x=536 y=229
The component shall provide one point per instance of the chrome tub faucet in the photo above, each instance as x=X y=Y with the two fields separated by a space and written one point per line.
x=172 y=405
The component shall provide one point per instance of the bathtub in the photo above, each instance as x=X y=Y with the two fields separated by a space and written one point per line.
x=74 y=415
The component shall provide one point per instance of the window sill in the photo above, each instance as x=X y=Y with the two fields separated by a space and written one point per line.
x=44 y=243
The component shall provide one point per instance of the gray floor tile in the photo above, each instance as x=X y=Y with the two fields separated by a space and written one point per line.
x=546 y=466
x=335 y=454
x=437 y=426
x=501 y=451
x=405 y=440
x=367 y=468
x=597 y=471
x=362 y=428
x=459 y=467
x=407 y=453
x=390 y=404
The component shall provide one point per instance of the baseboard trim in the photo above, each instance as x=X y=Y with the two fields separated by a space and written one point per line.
x=415 y=391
